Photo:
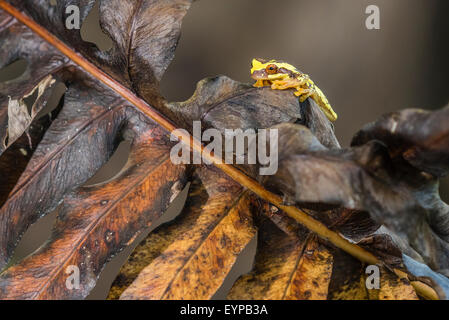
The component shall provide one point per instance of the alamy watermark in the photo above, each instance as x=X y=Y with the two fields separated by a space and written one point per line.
x=72 y=21
x=240 y=147
x=72 y=282
x=373 y=280
x=372 y=21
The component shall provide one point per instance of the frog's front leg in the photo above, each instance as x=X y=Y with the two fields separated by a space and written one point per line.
x=258 y=84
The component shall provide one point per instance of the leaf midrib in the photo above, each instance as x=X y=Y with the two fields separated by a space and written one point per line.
x=131 y=32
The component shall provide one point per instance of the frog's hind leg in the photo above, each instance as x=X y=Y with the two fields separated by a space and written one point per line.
x=303 y=94
x=304 y=97
x=258 y=84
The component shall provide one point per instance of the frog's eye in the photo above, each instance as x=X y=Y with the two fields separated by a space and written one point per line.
x=271 y=69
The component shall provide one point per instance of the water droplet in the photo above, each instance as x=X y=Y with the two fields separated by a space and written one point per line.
x=108 y=236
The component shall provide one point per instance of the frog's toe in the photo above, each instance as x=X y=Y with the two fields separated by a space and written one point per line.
x=258 y=84
x=303 y=98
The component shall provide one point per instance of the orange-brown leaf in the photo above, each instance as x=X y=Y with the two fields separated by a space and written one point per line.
x=96 y=222
x=277 y=259
x=195 y=263
x=313 y=273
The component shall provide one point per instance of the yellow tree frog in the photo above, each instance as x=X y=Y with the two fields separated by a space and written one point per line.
x=281 y=76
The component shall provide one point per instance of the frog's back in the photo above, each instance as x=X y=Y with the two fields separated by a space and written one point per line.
x=322 y=101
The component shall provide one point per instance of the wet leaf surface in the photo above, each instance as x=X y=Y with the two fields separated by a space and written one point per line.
x=80 y=140
x=96 y=222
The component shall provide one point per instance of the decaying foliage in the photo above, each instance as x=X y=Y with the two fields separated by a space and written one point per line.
x=389 y=176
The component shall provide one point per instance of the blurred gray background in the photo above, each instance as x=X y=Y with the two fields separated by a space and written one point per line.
x=364 y=73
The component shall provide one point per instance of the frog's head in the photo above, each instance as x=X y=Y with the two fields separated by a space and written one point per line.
x=271 y=70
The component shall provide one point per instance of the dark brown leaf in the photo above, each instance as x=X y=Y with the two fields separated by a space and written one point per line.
x=417 y=136
x=364 y=178
x=223 y=103
x=80 y=140
x=14 y=160
x=18 y=42
x=144 y=35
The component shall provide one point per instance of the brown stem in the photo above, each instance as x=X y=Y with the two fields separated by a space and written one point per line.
x=294 y=212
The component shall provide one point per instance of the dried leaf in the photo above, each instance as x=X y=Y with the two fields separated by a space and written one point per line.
x=144 y=34
x=438 y=281
x=80 y=140
x=190 y=258
x=14 y=160
x=420 y=137
x=223 y=103
x=395 y=288
x=348 y=278
x=86 y=131
x=349 y=282
x=364 y=178
x=17 y=41
x=277 y=259
x=96 y=222
x=313 y=273
x=202 y=194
